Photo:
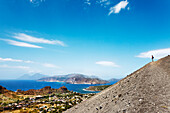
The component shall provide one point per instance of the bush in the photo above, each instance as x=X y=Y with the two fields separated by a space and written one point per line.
x=67 y=107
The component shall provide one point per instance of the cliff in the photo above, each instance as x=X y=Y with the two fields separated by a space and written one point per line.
x=43 y=91
x=6 y=92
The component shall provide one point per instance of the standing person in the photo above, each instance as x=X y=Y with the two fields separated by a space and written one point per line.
x=152 y=58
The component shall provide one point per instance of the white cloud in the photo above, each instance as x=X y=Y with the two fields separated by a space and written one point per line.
x=28 y=38
x=14 y=60
x=36 y=2
x=108 y=3
x=21 y=44
x=117 y=8
x=50 y=65
x=159 y=53
x=28 y=61
x=87 y=2
x=18 y=67
x=10 y=59
x=103 y=3
x=107 y=63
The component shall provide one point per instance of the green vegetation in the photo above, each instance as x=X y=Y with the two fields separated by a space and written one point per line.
x=97 y=88
x=50 y=103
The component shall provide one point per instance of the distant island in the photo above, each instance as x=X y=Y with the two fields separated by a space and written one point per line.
x=70 y=78
x=35 y=76
x=74 y=79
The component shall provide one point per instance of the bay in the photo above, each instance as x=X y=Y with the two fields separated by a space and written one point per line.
x=32 y=84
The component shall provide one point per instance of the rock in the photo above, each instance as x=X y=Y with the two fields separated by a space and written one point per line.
x=62 y=89
x=119 y=95
x=140 y=100
x=19 y=90
x=47 y=88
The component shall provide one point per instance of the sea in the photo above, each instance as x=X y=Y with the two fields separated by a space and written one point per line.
x=13 y=85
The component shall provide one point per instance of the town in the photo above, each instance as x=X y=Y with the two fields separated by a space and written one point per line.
x=55 y=102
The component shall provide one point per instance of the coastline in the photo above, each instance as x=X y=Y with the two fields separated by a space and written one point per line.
x=64 y=82
x=96 y=88
x=85 y=89
x=25 y=85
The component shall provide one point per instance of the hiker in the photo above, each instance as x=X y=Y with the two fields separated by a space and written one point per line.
x=152 y=58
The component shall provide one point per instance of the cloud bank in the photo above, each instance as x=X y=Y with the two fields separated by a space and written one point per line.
x=159 y=53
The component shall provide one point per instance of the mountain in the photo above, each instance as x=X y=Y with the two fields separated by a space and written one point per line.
x=93 y=76
x=31 y=77
x=38 y=76
x=74 y=79
x=24 y=77
x=113 y=80
x=146 y=90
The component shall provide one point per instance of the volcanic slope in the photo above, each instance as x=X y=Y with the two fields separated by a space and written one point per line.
x=146 y=90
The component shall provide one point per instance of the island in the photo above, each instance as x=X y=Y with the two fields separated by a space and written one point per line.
x=74 y=79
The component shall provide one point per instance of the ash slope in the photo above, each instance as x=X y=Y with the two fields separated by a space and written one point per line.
x=146 y=90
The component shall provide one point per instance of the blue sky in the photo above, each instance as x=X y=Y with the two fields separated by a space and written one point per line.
x=106 y=38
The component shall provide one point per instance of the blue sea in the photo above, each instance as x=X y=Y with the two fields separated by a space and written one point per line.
x=31 y=84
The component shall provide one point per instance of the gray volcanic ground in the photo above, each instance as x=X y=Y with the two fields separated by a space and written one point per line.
x=147 y=90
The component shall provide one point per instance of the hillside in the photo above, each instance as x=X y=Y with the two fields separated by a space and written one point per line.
x=74 y=79
x=44 y=100
x=42 y=91
x=6 y=93
x=146 y=90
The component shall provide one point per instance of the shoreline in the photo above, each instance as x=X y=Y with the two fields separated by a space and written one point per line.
x=85 y=89
x=96 y=88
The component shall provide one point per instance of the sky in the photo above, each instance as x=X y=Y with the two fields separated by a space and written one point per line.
x=105 y=38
